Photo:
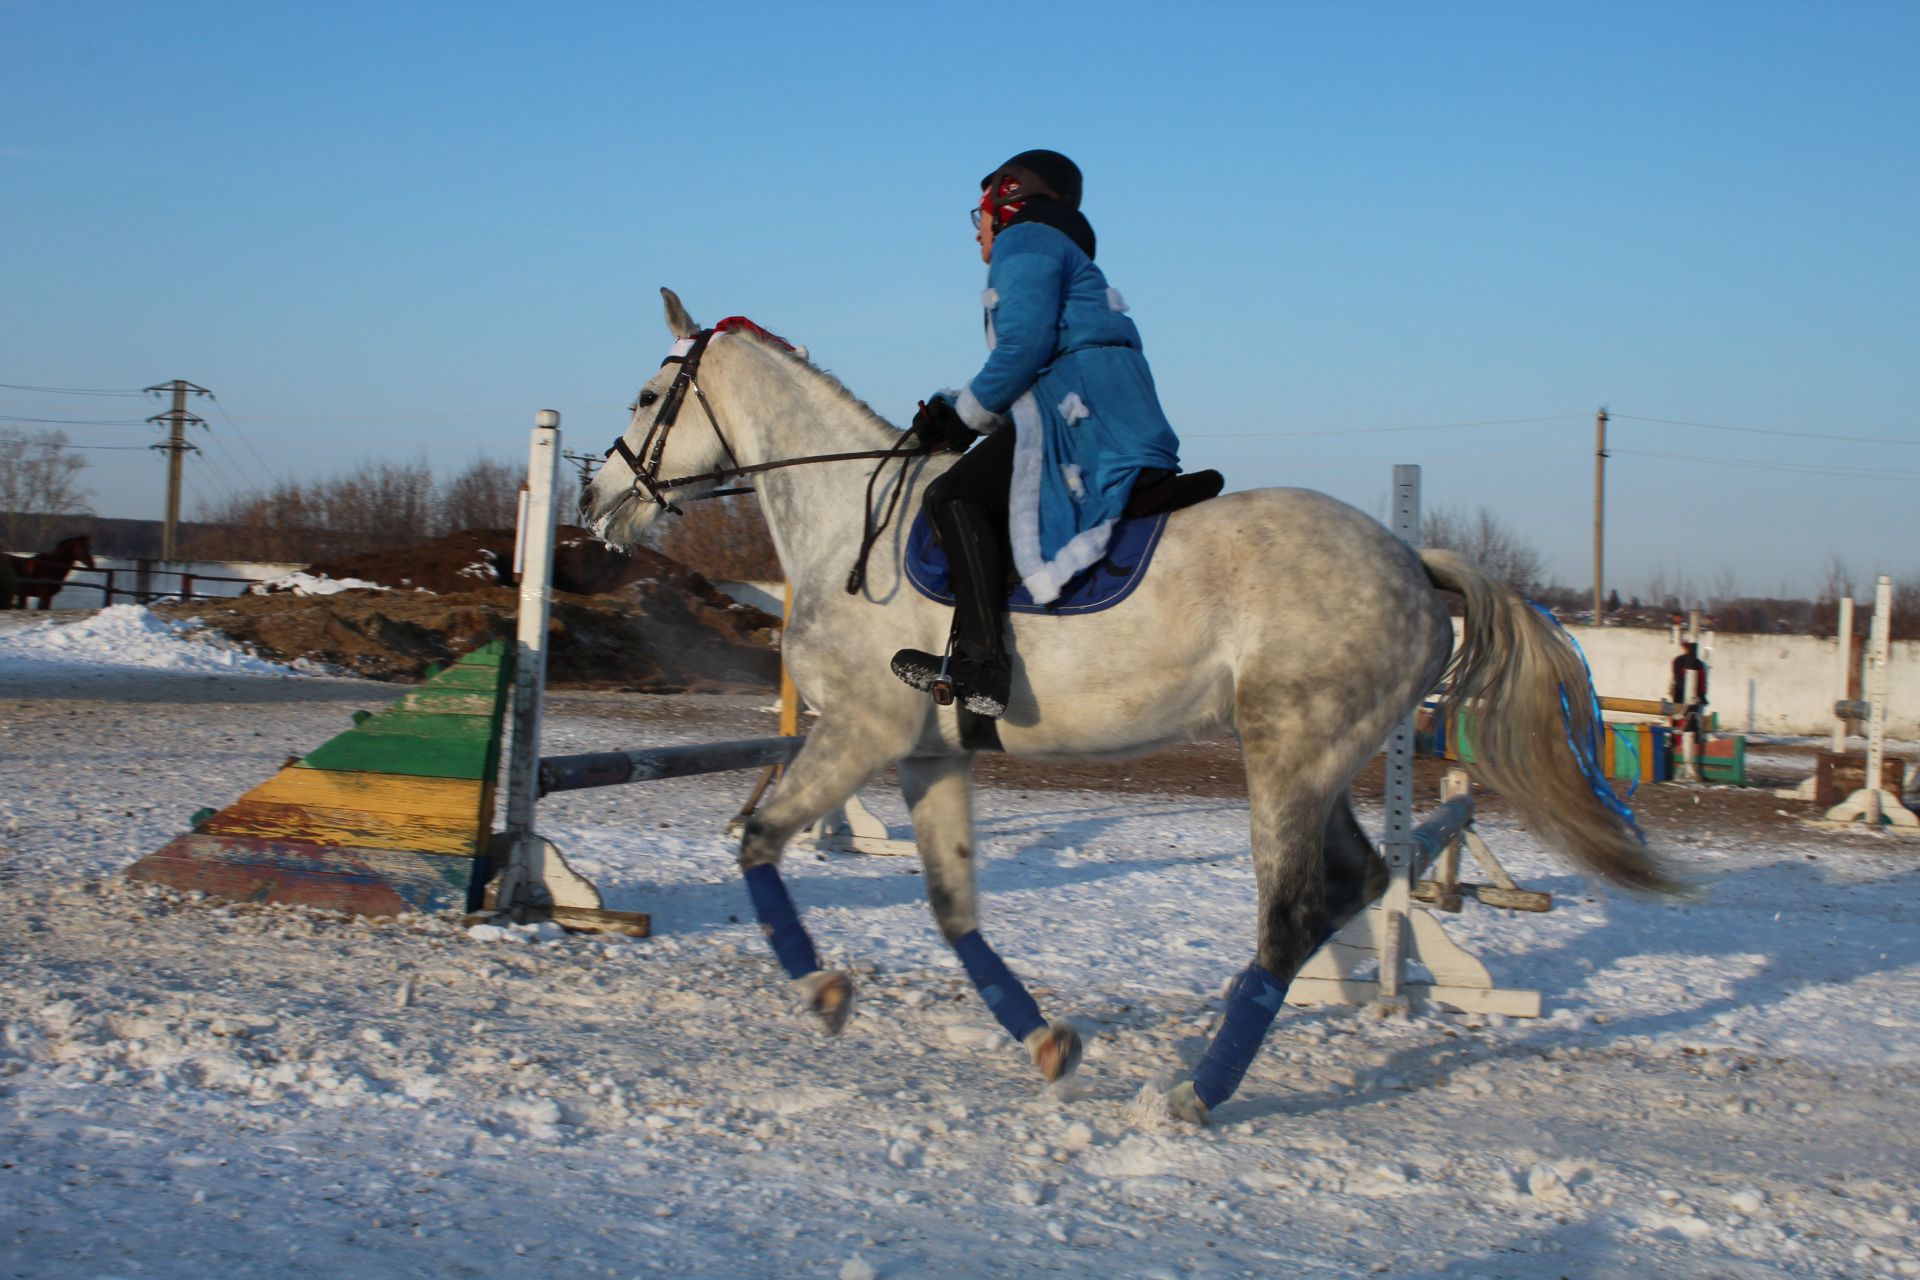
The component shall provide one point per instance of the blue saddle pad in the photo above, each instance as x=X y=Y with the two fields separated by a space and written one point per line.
x=1102 y=586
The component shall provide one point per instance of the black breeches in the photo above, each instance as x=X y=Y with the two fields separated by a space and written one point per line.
x=983 y=476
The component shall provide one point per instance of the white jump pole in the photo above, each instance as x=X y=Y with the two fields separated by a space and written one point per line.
x=1873 y=803
x=1843 y=673
x=535 y=875
x=1397 y=846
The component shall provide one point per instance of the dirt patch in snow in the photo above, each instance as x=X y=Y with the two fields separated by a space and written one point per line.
x=639 y=622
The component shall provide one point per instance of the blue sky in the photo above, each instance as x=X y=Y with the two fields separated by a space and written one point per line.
x=396 y=230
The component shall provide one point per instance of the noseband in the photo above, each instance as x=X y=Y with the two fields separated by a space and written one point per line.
x=646 y=475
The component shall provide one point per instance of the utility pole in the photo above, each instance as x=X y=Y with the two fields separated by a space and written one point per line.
x=1599 y=516
x=176 y=445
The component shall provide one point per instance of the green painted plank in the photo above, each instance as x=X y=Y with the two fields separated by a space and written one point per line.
x=428 y=728
x=460 y=756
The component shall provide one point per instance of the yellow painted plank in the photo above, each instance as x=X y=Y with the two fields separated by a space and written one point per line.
x=327 y=825
x=458 y=702
x=375 y=792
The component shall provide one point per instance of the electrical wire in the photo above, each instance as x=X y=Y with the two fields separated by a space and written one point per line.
x=70 y=391
x=232 y=462
x=78 y=422
x=246 y=440
x=1370 y=431
x=64 y=445
x=1766 y=431
x=421 y=417
x=1795 y=468
x=1371 y=464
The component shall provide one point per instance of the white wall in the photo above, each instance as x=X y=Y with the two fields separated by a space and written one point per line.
x=1790 y=679
x=163 y=576
x=768 y=597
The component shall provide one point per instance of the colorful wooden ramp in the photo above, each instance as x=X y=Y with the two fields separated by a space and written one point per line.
x=391 y=816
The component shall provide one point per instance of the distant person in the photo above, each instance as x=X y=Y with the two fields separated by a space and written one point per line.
x=1692 y=711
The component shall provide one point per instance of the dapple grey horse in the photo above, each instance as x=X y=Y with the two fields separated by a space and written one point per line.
x=1291 y=619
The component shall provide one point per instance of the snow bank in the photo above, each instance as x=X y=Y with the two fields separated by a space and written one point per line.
x=128 y=635
x=307 y=584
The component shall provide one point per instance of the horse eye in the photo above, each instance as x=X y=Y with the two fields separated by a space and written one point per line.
x=648 y=396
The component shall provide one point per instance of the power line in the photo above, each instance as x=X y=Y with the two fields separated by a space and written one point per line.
x=70 y=391
x=1767 y=431
x=247 y=441
x=64 y=445
x=1796 y=468
x=1446 y=461
x=419 y=417
x=78 y=422
x=1368 y=431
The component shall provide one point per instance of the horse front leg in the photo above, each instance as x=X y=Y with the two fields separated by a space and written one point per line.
x=939 y=795
x=837 y=759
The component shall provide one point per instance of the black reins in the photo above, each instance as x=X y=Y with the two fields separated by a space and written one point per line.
x=646 y=474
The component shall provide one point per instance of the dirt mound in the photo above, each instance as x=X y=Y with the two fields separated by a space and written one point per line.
x=641 y=622
x=476 y=558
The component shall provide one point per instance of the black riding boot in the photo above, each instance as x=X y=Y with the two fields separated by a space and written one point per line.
x=976 y=669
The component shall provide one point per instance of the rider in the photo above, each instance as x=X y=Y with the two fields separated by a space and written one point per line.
x=1065 y=368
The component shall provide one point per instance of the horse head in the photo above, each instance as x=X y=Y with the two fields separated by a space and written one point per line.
x=77 y=550
x=672 y=447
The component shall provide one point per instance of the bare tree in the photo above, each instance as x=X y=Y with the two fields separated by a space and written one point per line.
x=39 y=485
x=484 y=496
x=1486 y=541
x=1906 y=607
x=1839 y=580
x=1720 y=594
x=726 y=538
x=379 y=505
x=1838 y=586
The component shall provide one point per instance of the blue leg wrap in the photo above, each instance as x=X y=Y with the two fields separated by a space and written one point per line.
x=1252 y=1001
x=998 y=987
x=780 y=921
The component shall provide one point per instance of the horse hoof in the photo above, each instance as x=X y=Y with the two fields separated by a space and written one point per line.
x=1055 y=1049
x=828 y=993
x=1186 y=1104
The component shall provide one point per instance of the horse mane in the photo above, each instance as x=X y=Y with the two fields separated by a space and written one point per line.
x=826 y=378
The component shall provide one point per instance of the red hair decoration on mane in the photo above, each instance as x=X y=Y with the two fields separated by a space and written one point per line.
x=736 y=324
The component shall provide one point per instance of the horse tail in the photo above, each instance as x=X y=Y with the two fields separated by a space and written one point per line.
x=1536 y=728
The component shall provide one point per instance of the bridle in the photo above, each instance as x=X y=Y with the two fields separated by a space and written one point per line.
x=645 y=462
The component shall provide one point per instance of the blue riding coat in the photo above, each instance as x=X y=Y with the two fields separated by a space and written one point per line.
x=1065 y=364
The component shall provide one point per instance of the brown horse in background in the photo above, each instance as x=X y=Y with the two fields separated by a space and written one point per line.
x=41 y=574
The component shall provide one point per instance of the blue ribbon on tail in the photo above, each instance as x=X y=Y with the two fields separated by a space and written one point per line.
x=1002 y=991
x=780 y=921
x=1252 y=1001
x=1587 y=753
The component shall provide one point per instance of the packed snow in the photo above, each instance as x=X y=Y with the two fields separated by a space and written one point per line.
x=308 y=584
x=122 y=636
x=1723 y=1087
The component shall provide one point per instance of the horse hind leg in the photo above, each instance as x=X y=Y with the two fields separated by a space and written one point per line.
x=1356 y=874
x=1295 y=802
x=939 y=795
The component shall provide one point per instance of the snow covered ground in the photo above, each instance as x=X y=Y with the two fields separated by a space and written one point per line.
x=1721 y=1088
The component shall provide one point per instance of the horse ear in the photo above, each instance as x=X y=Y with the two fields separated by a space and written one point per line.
x=678 y=320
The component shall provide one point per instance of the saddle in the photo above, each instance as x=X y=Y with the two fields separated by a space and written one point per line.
x=1156 y=489
x=1156 y=494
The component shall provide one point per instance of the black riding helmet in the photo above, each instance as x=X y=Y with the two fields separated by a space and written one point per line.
x=1035 y=173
